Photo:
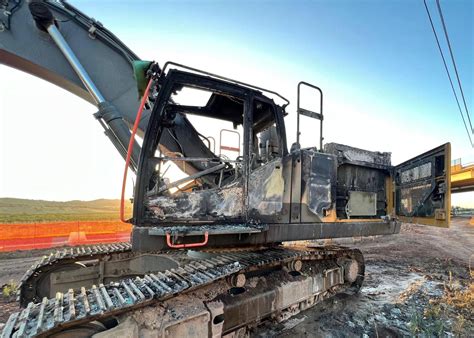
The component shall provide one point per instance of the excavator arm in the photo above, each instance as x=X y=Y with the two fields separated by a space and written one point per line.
x=27 y=44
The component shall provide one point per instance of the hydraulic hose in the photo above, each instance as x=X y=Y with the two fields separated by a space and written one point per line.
x=130 y=149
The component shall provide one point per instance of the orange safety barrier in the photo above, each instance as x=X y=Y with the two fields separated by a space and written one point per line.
x=27 y=236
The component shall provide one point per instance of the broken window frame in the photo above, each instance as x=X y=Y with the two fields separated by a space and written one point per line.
x=278 y=121
x=158 y=120
x=433 y=205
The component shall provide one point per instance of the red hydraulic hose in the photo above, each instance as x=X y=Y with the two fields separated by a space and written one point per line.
x=130 y=149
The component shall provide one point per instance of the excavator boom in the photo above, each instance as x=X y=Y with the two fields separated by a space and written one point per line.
x=25 y=44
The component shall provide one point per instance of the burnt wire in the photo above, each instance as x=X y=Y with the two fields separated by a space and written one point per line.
x=447 y=72
x=176 y=140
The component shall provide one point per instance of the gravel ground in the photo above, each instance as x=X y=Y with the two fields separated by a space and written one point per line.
x=409 y=278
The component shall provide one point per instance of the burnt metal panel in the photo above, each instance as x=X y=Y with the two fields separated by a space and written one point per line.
x=199 y=230
x=357 y=178
x=361 y=203
x=156 y=128
x=422 y=187
x=266 y=187
x=284 y=217
x=356 y=156
x=318 y=181
x=360 y=170
x=295 y=213
x=305 y=231
x=277 y=233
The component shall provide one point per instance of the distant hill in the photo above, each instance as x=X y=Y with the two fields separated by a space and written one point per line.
x=17 y=210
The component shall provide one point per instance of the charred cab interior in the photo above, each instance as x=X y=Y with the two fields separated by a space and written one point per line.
x=215 y=184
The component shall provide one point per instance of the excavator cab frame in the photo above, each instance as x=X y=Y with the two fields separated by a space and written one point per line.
x=218 y=183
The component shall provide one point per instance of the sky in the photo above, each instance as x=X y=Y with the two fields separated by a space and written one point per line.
x=384 y=84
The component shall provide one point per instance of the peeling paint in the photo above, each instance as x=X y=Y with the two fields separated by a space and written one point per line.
x=266 y=186
x=319 y=173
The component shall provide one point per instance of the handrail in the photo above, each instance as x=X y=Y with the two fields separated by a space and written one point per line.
x=308 y=113
x=168 y=63
x=228 y=148
x=190 y=245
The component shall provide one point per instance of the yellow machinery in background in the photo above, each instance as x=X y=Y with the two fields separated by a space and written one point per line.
x=462 y=176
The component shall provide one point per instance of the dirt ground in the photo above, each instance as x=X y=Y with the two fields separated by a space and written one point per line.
x=417 y=283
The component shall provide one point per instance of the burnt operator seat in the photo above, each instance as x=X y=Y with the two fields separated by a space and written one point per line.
x=269 y=144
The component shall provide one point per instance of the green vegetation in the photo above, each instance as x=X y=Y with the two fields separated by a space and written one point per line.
x=9 y=290
x=15 y=210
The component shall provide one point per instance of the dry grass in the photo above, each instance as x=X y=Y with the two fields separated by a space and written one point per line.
x=456 y=304
x=456 y=296
x=461 y=298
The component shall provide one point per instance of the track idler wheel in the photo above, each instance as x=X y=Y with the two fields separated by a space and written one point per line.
x=82 y=331
x=43 y=286
x=354 y=270
x=295 y=265
x=237 y=280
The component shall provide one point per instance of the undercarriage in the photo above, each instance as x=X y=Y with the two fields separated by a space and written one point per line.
x=190 y=293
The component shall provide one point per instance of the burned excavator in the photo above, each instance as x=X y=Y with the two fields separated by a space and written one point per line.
x=207 y=255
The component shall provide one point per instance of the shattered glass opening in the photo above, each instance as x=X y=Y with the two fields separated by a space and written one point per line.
x=421 y=186
x=207 y=182
x=191 y=97
x=266 y=139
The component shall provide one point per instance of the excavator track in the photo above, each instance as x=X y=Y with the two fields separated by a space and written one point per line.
x=69 y=310
x=27 y=288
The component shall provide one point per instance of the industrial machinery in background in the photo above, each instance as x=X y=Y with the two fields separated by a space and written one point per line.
x=206 y=257
x=462 y=176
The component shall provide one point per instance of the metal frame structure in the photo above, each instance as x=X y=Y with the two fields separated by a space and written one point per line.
x=302 y=111
x=228 y=148
x=159 y=120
